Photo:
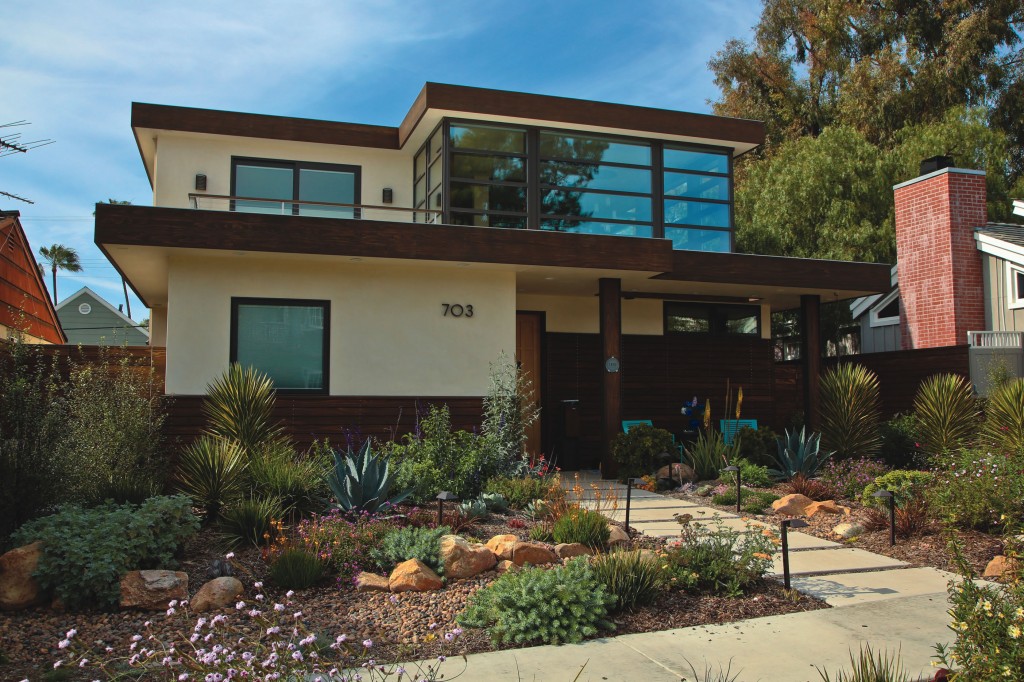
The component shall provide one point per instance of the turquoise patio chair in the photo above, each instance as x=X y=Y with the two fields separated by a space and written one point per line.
x=730 y=427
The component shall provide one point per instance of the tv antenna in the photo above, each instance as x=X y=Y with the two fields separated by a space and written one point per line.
x=12 y=143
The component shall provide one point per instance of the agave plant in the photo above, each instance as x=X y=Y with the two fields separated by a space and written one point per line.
x=210 y=471
x=849 y=410
x=494 y=502
x=474 y=509
x=947 y=413
x=1004 y=417
x=239 y=406
x=799 y=454
x=362 y=480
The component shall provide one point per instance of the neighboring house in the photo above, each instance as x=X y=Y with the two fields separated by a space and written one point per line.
x=25 y=305
x=368 y=267
x=89 y=320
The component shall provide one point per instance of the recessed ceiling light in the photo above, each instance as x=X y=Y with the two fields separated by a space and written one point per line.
x=549 y=278
x=463 y=265
x=355 y=259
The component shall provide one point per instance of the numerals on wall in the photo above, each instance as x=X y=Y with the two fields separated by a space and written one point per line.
x=457 y=310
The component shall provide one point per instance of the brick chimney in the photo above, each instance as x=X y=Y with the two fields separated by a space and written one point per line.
x=939 y=266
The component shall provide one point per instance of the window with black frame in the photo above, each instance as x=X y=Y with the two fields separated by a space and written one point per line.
x=488 y=175
x=294 y=188
x=698 y=198
x=428 y=174
x=594 y=185
x=284 y=338
x=712 y=318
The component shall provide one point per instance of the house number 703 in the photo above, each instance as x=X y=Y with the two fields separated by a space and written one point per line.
x=457 y=310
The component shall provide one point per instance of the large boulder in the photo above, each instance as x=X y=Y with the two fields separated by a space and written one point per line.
x=672 y=472
x=371 y=582
x=1001 y=567
x=18 y=589
x=534 y=553
x=413 y=576
x=617 y=536
x=152 y=590
x=826 y=507
x=847 y=530
x=572 y=549
x=502 y=546
x=792 y=505
x=463 y=560
x=217 y=594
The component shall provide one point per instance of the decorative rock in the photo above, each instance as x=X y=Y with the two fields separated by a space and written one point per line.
x=502 y=546
x=1001 y=567
x=617 y=536
x=569 y=550
x=826 y=507
x=848 y=530
x=535 y=553
x=18 y=589
x=463 y=560
x=792 y=505
x=371 y=582
x=504 y=566
x=217 y=594
x=151 y=590
x=413 y=576
x=672 y=472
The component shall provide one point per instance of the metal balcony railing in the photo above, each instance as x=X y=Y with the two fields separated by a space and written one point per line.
x=319 y=209
x=995 y=339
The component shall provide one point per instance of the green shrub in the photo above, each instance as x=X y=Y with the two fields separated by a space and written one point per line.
x=713 y=558
x=403 y=544
x=510 y=408
x=239 y=407
x=870 y=666
x=757 y=445
x=849 y=411
x=631 y=577
x=904 y=485
x=946 y=413
x=211 y=472
x=583 y=526
x=752 y=501
x=519 y=492
x=754 y=475
x=87 y=551
x=563 y=604
x=1004 y=418
x=249 y=521
x=636 y=452
x=299 y=482
x=494 y=502
x=975 y=488
x=799 y=453
x=899 y=442
x=849 y=477
x=709 y=454
x=296 y=568
x=349 y=539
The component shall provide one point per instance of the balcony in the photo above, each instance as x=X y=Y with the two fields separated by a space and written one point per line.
x=313 y=209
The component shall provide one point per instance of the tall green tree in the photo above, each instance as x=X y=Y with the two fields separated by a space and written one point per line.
x=60 y=257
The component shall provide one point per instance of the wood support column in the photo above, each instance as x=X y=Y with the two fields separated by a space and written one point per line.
x=610 y=292
x=810 y=355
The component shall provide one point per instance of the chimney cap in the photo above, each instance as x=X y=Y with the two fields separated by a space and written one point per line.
x=934 y=163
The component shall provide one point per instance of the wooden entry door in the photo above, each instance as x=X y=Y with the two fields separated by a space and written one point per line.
x=528 y=337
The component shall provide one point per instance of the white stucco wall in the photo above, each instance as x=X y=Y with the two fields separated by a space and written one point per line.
x=388 y=335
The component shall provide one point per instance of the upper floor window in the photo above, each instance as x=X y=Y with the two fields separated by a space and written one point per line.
x=712 y=318
x=698 y=198
x=887 y=311
x=294 y=188
x=488 y=175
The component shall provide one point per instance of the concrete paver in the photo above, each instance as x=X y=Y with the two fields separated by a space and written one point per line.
x=842 y=560
x=845 y=589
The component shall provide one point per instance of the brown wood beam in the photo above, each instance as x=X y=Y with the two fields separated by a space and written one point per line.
x=610 y=290
x=810 y=354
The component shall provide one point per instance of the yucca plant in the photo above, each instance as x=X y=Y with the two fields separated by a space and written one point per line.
x=849 y=411
x=946 y=412
x=709 y=454
x=799 y=453
x=239 y=406
x=362 y=480
x=631 y=576
x=870 y=666
x=1004 y=417
x=211 y=471
x=250 y=521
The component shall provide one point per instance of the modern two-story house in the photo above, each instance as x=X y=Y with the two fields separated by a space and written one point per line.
x=369 y=269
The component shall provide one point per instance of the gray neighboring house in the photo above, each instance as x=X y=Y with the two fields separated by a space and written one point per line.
x=89 y=320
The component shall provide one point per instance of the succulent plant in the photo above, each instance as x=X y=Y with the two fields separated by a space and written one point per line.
x=799 y=454
x=473 y=509
x=362 y=480
x=495 y=502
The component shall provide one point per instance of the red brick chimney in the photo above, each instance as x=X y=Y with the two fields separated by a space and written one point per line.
x=939 y=266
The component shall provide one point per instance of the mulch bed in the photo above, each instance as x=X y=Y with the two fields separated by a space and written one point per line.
x=397 y=625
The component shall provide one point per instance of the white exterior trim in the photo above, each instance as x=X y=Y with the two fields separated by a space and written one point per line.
x=1018 y=207
x=935 y=174
x=1013 y=301
x=102 y=301
x=874 y=320
x=997 y=247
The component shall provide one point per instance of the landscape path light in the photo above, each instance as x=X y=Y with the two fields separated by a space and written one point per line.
x=629 y=490
x=442 y=497
x=886 y=495
x=786 y=525
x=736 y=470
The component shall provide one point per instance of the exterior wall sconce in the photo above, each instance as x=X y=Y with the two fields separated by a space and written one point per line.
x=735 y=470
x=786 y=525
x=442 y=497
x=886 y=495
x=200 y=182
x=388 y=195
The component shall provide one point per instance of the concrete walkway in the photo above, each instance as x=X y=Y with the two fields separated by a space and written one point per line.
x=875 y=600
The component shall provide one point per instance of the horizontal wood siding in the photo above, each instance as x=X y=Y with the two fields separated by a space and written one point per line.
x=339 y=418
x=135 y=359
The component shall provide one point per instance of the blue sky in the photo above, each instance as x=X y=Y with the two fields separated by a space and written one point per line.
x=72 y=69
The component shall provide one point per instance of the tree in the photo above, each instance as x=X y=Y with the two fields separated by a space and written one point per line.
x=60 y=257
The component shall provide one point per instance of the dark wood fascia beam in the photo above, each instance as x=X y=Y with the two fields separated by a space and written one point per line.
x=810 y=351
x=696 y=298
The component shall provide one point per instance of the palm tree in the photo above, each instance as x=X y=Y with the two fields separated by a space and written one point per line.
x=60 y=257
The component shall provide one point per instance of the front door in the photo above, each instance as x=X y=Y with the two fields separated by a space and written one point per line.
x=528 y=331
